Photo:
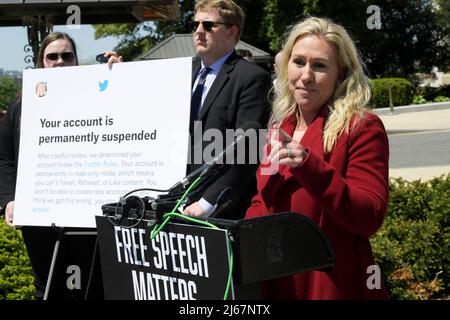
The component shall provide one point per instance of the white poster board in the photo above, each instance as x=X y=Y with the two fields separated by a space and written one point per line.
x=90 y=134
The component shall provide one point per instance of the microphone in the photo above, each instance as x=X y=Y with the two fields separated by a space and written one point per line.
x=217 y=163
x=225 y=199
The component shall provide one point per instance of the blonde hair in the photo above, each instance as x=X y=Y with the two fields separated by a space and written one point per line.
x=231 y=13
x=352 y=93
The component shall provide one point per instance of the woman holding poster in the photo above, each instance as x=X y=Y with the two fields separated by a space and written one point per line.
x=57 y=50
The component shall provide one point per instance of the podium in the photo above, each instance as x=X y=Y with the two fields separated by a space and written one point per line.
x=263 y=248
x=274 y=246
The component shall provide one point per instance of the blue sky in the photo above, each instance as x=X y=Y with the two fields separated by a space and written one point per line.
x=13 y=40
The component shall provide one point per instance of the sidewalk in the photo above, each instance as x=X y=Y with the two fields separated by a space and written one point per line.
x=413 y=119
x=417 y=121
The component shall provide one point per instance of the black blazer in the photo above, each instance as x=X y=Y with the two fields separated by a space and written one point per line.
x=9 y=152
x=239 y=94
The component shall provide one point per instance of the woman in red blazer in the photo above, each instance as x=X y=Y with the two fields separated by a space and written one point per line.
x=327 y=159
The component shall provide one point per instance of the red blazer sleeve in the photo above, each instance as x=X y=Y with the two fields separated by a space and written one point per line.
x=257 y=207
x=357 y=202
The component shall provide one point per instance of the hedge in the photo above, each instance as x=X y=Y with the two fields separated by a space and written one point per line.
x=412 y=248
x=16 y=276
x=8 y=91
x=431 y=93
x=401 y=92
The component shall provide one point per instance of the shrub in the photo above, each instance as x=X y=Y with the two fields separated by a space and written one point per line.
x=430 y=93
x=16 y=276
x=441 y=99
x=401 y=92
x=419 y=100
x=413 y=246
x=8 y=91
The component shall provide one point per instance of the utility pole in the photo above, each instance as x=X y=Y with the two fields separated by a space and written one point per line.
x=391 y=103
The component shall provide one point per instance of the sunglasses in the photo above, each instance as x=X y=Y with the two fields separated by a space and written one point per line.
x=66 y=56
x=207 y=25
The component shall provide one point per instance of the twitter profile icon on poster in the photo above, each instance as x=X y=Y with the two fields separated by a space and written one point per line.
x=102 y=85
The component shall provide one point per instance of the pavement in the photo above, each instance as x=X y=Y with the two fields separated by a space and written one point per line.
x=417 y=119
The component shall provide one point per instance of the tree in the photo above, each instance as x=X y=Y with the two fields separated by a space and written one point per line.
x=8 y=91
x=134 y=38
x=442 y=9
x=279 y=15
x=410 y=40
x=165 y=29
x=137 y=38
x=413 y=37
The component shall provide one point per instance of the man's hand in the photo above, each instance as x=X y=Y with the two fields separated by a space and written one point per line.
x=194 y=210
x=113 y=58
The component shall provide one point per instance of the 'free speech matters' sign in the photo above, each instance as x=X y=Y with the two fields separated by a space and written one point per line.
x=183 y=262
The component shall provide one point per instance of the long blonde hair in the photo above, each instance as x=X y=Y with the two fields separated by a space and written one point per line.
x=351 y=95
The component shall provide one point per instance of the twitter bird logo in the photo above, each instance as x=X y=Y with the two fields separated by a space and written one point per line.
x=102 y=85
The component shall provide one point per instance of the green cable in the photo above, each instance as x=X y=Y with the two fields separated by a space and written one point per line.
x=159 y=227
x=168 y=216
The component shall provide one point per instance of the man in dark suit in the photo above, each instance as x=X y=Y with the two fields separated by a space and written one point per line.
x=232 y=92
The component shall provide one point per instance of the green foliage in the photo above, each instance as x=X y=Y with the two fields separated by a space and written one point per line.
x=443 y=26
x=8 y=90
x=16 y=276
x=409 y=41
x=413 y=36
x=419 y=100
x=413 y=246
x=280 y=15
x=430 y=93
x=164 y=29
x=114 y=30
x=401 y=92
x=441 y=99
x=134 y=39
x=254 y=29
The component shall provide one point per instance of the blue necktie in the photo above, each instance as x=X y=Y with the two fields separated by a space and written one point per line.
x=196 y=100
